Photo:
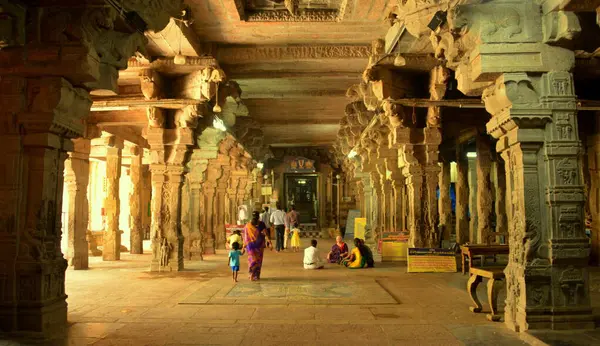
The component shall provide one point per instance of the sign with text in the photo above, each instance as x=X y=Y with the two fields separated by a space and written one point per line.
x=300 y=165
x=394 y=246
x=431 y=260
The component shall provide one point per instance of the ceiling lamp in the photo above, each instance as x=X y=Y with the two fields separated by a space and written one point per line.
x=260 y=165
x=471 y=154
x=352 y=154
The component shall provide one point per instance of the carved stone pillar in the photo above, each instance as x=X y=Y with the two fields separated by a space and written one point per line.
x=193 y=240
x=111 y=239
x=472 y=176
x=547 y=276
x=462 y=198
x=431 y=174
x=501 y=217
x=484 y=190
x=593 y=158
x=221 y=206
x=39 y=116
x=169 y=155
x=135 y=200
x=77 y=173
x=445 y=204
x=413 y=173
x=213 y=173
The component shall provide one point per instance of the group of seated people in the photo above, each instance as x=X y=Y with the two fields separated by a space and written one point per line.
x=360 y=256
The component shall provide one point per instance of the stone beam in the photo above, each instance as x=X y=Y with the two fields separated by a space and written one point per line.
x=124 y=103
x=128 y=133
x=175 y=38
x=242 y=54
x=135 y=116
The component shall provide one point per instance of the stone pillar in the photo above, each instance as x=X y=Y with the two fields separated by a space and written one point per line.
x=135 y=201
x=445 y=204
x=209 y=188
x=220 y=208
x=484 y=190
x=40 y=115
x=472 y=176
x=462 y=198
x=169 y=155
x=112 y=234
x=547 y=276
x=501 y=217
x=431 y=174
x=594 y=193
x=413 y=173
x=193 y=241
x=77 y=174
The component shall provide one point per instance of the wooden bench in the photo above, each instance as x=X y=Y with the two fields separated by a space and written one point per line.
x=495 y=276
x=471 y=251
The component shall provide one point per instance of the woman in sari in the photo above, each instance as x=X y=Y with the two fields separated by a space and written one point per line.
x=256 y=239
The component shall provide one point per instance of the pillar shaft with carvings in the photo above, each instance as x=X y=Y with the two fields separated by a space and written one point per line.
x=77 y=173
x=484 y=189
x=547 y=272
x=501 y=216
x=445 y=204
x=135 y=201
x=111 y=239
x=462 y=198
x=170 y=150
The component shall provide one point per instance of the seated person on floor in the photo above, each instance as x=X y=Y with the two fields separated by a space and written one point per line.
x=312 y=260
x=369 y=261
x=338 y=250
x=357 y=258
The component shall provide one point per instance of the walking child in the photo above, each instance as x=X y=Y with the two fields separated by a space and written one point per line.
x=295 y=243
x=234 y=260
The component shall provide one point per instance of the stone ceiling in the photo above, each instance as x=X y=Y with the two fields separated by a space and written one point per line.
x=293 y=70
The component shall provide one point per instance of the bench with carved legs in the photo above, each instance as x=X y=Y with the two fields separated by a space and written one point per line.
x=495 y=276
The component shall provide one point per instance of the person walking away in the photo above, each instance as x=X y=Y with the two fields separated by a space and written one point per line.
x=295 y=243
x=256 y=239
x=294 y=217
x=265 y=217
x=234 y=260
x=278 y=220
x=312 y=260
x=288 y=228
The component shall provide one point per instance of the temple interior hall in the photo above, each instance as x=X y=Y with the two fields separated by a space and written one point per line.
x=299 y=172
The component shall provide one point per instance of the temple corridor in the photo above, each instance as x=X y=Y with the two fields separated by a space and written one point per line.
x=449 y=143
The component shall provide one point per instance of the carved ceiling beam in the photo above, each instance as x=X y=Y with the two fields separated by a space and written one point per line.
x=232 y=55
x=167 y=65
x=176 y=38
x=126 y=103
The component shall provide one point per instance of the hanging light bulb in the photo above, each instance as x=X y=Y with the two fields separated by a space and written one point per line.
x=260 y=165
x=217 y=108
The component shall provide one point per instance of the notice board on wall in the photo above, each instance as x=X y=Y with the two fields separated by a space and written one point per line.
x=352 y=214
x=431 y=260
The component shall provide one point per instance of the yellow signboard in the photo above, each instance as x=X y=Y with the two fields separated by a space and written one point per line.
x=430 y=260
x=394 y=251
x=360 y=224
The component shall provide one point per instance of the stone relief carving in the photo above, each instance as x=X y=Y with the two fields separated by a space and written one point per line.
x=151 y=84
x=187 y=117
x=566 y=171
x=572 y=285
x=156 y=117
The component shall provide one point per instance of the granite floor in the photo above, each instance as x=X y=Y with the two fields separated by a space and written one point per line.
x=122 y=303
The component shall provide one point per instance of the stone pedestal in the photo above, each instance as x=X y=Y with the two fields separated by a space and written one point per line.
x=77 y=172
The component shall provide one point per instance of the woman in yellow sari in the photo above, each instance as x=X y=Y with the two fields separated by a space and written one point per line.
x=255 y=239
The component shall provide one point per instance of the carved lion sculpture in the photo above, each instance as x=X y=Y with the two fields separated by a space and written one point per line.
x=187 y=117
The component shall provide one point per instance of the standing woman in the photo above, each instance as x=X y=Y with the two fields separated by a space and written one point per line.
x=256 y=239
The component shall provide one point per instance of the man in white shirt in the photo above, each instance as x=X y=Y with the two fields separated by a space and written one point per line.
x=265 y=217
x=278 y=220
x=312 y=259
